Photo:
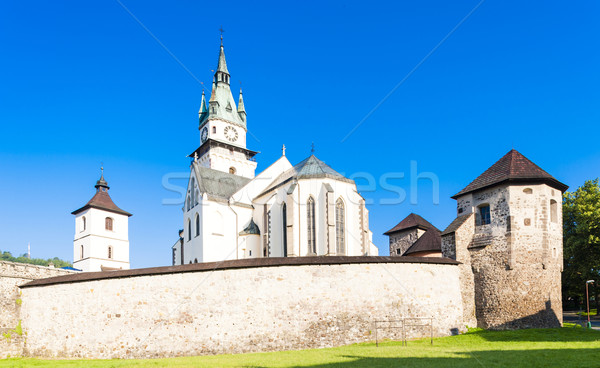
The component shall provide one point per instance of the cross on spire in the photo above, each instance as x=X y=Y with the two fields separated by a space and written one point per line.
x=221 y=30
x=312 y=147
x=283 y=150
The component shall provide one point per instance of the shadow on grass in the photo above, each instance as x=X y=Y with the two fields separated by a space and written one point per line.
x=492 y=358
x=540 y=335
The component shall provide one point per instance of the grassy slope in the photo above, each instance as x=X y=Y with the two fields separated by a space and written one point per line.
x=566 y=347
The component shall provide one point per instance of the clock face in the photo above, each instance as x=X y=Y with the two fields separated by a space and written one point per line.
x=204 y=134
x=231 y=134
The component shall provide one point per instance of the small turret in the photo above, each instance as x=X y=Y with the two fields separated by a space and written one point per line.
x=241 y=108
x=203 y=112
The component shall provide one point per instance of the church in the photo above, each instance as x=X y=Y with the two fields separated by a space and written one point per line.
x=307 y=209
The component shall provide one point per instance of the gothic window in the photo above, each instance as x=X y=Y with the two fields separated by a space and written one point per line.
x=232 y=170
x=284 y=226
x=197 y=224
x=310 y=217
x=553 y=211
x=339 y=227
x=83 y=223
x=197 y=196
x=189 y=202
x=81 y=251
x=108 y=223
x=192 y=192
x=195 y=260
x=214 y=130
x=110 y=252
x=269 y=232
x=484 y=214
x=189 y=223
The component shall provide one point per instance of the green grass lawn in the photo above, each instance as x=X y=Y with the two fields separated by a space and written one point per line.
x=560 y=347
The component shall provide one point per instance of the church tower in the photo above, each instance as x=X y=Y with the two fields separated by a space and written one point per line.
x=101 y=233
x=223 y=128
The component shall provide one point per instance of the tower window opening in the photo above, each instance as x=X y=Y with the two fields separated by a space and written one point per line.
x=81 y=252
x=484 y=214
x=553 y=211
x=197 y=224
x=340 y=227
x=108 y=224
x=214 y=130
x=110 y=252
x=83 y=223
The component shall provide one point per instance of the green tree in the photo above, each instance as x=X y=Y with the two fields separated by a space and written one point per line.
x=58 y=263
x=581 y=232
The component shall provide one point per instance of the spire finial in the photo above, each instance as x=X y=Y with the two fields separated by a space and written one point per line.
x=101 y=184
x=221 y=30
x=283 y=150
x=312 y=147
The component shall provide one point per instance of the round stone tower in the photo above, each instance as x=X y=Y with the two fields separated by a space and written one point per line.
x=514 y=248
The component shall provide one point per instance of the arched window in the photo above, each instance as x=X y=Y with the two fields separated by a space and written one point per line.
x=553 y=211
x=108 y=223
x=214 y=130
x=189 y=202
x=340 y=240
x=197 y=196
x=110 y=252
x=197 y=224
x=83 y=223
x=195 y=260
x=189 y=223
x=232 y=170
x=81 y=249
x=284 y=226
x=192 y=192
x=311 y=234
x=528 y=191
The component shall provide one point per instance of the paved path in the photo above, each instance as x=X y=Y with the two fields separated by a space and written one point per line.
x=572 y=317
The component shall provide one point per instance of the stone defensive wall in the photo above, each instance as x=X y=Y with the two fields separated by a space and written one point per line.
x=12 y=275
x=237 y=306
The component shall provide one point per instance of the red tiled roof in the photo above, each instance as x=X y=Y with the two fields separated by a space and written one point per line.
x=411 y=221
x=102 y=200
x=430 y=241
x=513 y=167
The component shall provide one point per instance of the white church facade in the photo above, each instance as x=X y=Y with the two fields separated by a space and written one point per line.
x=101 y=241
x=307 y=209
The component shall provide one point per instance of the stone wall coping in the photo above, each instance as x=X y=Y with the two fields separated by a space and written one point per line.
x=236 y=264
x=34 y=266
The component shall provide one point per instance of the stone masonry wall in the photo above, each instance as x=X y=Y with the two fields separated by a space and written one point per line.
x=11 y=276
x=237 y=310
x=402 y=240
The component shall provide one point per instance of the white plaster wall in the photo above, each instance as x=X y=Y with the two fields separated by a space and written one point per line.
x=96 y=239
x=236 y=310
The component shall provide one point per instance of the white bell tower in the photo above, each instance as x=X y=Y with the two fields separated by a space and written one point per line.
x=101 y=233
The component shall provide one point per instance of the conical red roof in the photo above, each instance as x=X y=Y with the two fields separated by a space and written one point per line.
x=513 y=167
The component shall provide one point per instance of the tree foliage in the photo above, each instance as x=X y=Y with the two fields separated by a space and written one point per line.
x=581 y=246
x=7 y=256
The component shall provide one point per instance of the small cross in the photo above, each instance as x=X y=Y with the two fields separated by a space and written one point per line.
x=102 y=168
x=221 y=30
x=283 y=149
x=312 y=147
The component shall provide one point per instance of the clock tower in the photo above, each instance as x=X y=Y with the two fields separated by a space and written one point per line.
x=223 y=128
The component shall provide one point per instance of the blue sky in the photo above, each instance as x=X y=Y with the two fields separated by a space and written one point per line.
x=83 y=83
